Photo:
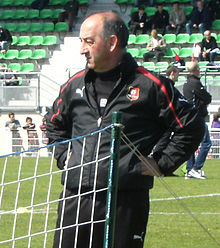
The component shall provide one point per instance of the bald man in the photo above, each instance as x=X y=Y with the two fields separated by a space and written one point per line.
x=209 y=47
x=112 y=81
x=196 y=93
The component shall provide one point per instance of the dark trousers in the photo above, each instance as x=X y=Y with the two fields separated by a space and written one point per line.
x=209 y=56
x=158 y=54
x=177 y=29
x=131 y=220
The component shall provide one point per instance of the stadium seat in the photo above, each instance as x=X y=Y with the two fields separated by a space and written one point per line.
x=46 y=13
x=20 y=14
x=171 y=52
x=133 y=51
x=39 y=54
x=207 y=80
x=33 y=13
x=11 y=54
x=47 y=27
x=14 y=40
x=35 y=27
x=170 y=38
x=202 y=65
x=216 y=24
x=218 y=38
x=11 y=26
x=188 y=10
x=49 y=40
x=28 y=2
x=214 y=35
x=185 y=52
x=22 y=27
x=142 y=39
x=216 y=81
x=167 y=8
x=195 y=38
x=5 y=3
x=19 y=3
x=161 y=66
x=27 y=67
x=25 y=54
x=182 y=38
x=61 y=27
x=135 y=9
x=131 y=39
x=7 y=14
x=142 y=51
x=149 y=65
x=55 y=2
x=36 y=40
x=16 y=67
x=56 y=12
x=150 y=11
x=23 y=40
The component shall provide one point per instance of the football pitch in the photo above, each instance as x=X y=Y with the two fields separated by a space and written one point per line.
x=171 y=224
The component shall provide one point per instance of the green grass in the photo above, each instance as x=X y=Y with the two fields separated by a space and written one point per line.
x=169 y=226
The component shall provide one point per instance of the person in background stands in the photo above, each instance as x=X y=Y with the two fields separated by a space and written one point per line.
x=71 y=11
x=139 y=21
x=156 y=46
x=196 y=94
x=199 y=19
x=209 y=48
x=177 y=18
x=39 y=4
x=5 y=39
x=160 y=20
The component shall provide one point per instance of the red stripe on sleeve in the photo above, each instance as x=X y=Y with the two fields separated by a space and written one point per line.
x=54 y=115
x=163 y=88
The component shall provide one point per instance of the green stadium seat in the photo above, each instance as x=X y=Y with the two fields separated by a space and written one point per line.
x=56 y=12
x=142 y=39
x=61 y=27
x=11 y=54
x=55 y=2
x=182 y=38
x=167 y=9
x=216 y=81
x=202 y=65
x=133 y=51
x=28 y=2
x=149 y=65
x=49 y=40
x=188 y=10
x=195 y=38
x=14 y=40
x=142 y=51
x=27 y=67
x=5 y=3
x=19 y=3
x=131 y=2
x=11 y=26
x=134 y=9
x=7 y=14
x=83 y=2
x=207 y=80
x=214 y=35
x=47 y=27
x=131 y=39
x=36 y=40
x=22 y=27
x=35 y=27
x=25 y=54
x=150 y=11
x=46 y=13
x=161 y=66
x=216 y=24
x=170 y=38
x=121 y=2
x=16 y=67
x=39 y=54
x=20 y=14
x=171 y=52
x=33 y=13
x=23 y=40
x=218 y=38
x=185 y=52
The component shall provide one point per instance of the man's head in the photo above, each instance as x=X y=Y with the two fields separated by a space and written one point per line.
x=141 y=10
x=193 y=68
x=207 y=34
x=200 y=4
x=11 y=116
x=172 y=73
x=154 y=33
x=176 y=5
x=103 y=38
x=160 y=7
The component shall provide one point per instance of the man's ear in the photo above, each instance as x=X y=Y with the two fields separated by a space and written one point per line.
x=113 y=41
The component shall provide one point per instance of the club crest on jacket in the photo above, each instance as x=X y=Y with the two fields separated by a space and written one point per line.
x=133 y=93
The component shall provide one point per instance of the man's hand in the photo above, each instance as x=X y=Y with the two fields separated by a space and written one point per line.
x=150 y=167
x=195 y=25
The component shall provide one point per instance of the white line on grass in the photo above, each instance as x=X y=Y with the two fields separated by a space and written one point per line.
x=185 y=197
x=196 y=213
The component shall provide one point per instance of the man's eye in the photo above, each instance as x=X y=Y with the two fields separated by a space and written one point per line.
x=90 y=42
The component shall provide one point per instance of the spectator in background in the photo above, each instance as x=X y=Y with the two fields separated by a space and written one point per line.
x=71 y=11
x=209 y=48
x=44 y=133
x=32 y=134
x=177 y=18
x=39 y=4
x=9 y=79
x=200 y=18
x=160 y=20
x=139 y=21
x=13 y=125
x=5 y=39
x=196 y=94
x=155 y=46
x=216 y=135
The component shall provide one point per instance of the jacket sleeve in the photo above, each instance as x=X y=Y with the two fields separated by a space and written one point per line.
x=183 y=121
x=58 y=127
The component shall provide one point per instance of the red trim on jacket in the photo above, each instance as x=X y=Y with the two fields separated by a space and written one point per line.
x=163 y=88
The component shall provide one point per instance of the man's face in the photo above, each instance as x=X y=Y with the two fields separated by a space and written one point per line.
x=200 y=4
x=12 y=118
x=207 y=35
x=141 y=11
x=95 y=48
x=160 y=8
x=176 y=6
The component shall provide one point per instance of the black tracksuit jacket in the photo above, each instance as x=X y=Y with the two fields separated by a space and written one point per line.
x=150 y=105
